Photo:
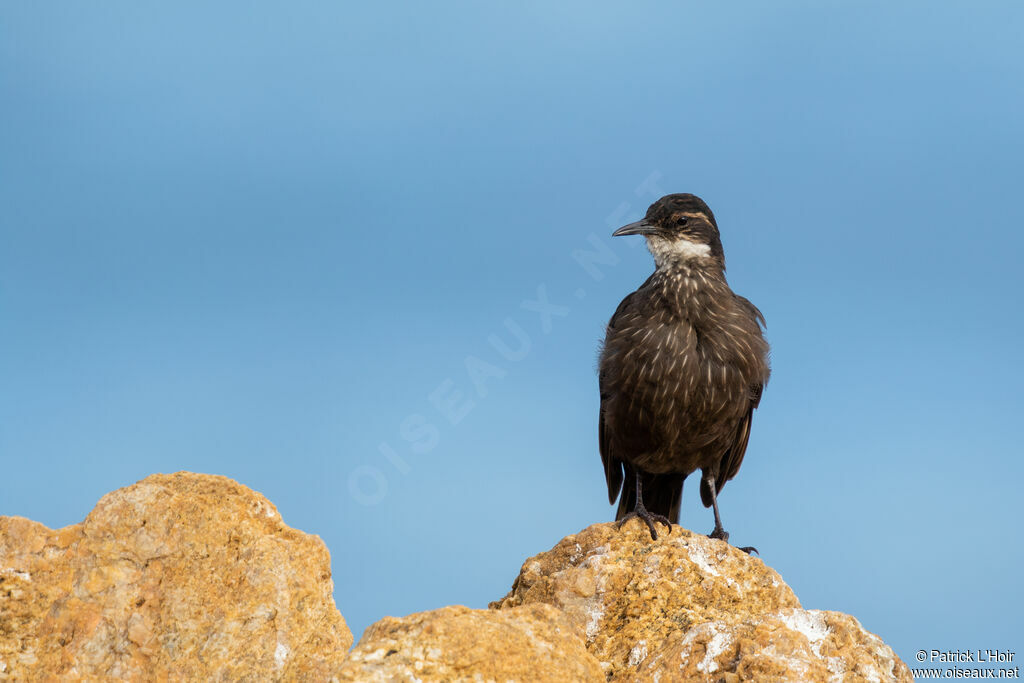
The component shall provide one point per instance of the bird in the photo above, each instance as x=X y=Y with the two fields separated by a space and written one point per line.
x=683 y=365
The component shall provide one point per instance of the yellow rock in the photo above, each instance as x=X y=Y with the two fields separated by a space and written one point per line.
x=531 y=643
x=195 y=577
x=787 y=645
x=182 y=576
x=688 y=608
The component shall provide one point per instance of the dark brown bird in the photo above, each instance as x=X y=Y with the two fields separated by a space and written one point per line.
x=683 y=366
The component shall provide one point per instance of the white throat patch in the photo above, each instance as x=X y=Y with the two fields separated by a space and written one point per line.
x=675 y=251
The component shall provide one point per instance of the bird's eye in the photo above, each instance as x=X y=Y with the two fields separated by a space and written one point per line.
x=682 y=220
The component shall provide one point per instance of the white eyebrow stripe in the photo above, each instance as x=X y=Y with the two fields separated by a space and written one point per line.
x=696 y=214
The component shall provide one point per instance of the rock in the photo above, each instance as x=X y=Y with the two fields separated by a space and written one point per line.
x=690 y=608
x=195 y=577
x=183 y=576
x=534 y=642
x=788 y=645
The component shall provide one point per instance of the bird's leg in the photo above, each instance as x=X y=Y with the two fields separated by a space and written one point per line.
x=642 y=512
x=719 y=531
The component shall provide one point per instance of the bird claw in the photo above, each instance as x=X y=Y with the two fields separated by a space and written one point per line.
x=720 y=534
x=648 y=518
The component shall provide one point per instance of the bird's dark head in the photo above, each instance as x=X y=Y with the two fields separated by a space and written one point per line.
x=679 y=228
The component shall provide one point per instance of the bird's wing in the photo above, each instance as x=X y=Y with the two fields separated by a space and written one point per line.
x=613 y=467
x=733 y=458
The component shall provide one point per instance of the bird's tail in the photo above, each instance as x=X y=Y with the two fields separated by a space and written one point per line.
x=662 y=494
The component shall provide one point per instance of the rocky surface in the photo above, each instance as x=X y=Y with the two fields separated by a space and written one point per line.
x=534 y=642
x=186 y=576
x=686 y=607
x=786 y=645
x=195 y=577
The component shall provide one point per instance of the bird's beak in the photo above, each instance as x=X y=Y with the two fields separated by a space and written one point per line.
x=638 y=228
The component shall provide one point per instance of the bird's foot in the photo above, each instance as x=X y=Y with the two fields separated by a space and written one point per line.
x=648 y=518
x=722 y=535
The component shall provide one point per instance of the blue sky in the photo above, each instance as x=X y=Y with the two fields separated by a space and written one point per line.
x=273 y=242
